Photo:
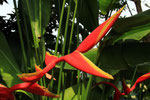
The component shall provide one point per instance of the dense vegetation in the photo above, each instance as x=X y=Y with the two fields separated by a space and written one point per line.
x=59 y=26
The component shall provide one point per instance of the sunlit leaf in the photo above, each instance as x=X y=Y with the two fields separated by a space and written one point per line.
x=136 y=33
x=38 y=13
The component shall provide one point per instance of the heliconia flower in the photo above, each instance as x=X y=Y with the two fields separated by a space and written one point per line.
x=126 y=89
x=79 y=61
x=92 y=39
x=7 y=93
x=84 y=64
x=37 y=68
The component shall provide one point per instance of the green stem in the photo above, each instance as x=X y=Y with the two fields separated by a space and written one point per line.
x=56 y=47
x=66 y=29
x=83 y=86
x=133 y=77
x=21 y=37
x=91 y=77
x=59 y=81
x=78 y=82
x=72 y=80
x=78 y=71
x=135 y=70
x=59 y=29
x=63 y=84
x=72 y=27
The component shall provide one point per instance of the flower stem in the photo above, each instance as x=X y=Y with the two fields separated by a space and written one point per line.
x=72 y=27
x=56 y=47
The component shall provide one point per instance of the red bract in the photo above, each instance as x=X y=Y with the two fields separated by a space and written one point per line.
x=33 y=77
x=40 y=90
x=92 y=39
x=7 y=93
x=126 y=89
x=38 y=69
x=79 y=61
x=140 y=79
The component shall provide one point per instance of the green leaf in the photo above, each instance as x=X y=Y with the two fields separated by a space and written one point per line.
x=125 y=56
x=38 y=13
x=125 y=24
x=8 y=65
x=71 y=93
x=88 y=14
x=136 y=33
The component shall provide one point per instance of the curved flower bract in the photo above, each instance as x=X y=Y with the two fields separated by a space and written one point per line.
x=79 y=61
x=7 y=93
x=38 y=69
x=92 y=39
x=40 y=90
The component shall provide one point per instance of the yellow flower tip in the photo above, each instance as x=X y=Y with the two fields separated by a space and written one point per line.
x=48 y=53
x=111 y=77
x=26 y=75
x=121 y=9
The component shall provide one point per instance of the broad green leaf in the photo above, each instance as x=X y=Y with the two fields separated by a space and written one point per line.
x=106 y=5
x=125 y=24
x=38 y=13
x=136 y=33
x=125 y=56
x=88 y=14
x=71 y=93
x=8 y=65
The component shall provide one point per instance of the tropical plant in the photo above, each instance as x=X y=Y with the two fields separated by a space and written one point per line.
x=28 y=34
